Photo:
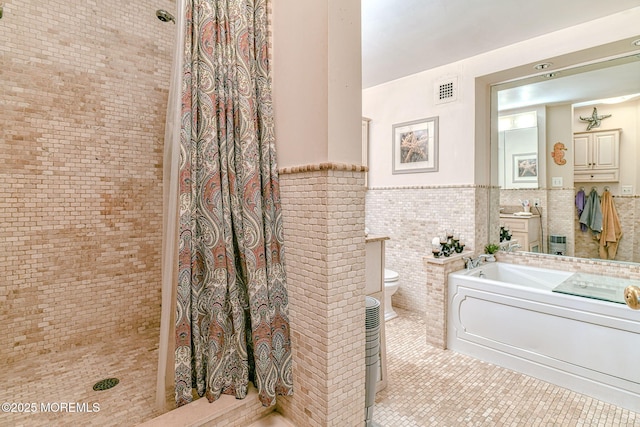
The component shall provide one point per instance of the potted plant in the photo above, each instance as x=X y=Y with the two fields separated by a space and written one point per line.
x=491 y=249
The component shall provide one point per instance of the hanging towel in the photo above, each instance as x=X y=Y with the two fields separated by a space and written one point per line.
x=611 y=230
x=592 y=214
x=580 y=201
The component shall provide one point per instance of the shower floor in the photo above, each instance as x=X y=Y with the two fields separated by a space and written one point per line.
x=60 y=378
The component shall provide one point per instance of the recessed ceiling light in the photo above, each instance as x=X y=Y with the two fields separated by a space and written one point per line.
x=550 y=75
x=636 y=42
x=542 y=66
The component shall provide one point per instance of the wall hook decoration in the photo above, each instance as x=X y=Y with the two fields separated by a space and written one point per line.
x=558 y=153
x=595 y=119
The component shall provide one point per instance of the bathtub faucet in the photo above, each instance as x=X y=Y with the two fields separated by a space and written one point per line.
x=512 y=247
x=471 y=263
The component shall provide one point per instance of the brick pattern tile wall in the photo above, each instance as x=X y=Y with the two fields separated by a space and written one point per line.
x=561 y=217
x=323 y=208
x=437 y=298
x=635 y=238
x=411 y=218
x=494 y=220
x=84 y=91
x=482 y=223
x=627 y=208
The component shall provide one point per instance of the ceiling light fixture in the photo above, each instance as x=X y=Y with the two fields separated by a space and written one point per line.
x=549 y=75
x=636 y=42
x=542 y=66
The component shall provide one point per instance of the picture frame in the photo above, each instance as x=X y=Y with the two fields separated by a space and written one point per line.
x=525 y=167
x=415 y=146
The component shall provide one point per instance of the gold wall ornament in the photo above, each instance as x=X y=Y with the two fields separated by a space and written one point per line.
x=594 y=120
x=558 y=153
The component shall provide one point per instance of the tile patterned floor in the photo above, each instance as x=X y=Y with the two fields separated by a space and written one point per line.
x=69 y=377
x=427 y=387
x=431 y=387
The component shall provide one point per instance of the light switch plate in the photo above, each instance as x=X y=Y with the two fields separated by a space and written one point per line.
x=627 y=189
x=556 y=181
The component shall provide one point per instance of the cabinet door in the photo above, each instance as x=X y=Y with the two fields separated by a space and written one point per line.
x=605 y=150
x=581 y=152
x=374 y=267
x=597 y=156
x=522 y=239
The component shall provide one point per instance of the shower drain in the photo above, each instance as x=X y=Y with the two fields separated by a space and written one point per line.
x=105 y=384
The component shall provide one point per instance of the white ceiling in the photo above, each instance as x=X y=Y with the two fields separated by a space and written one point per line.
x=606 y=80
x=403 y=37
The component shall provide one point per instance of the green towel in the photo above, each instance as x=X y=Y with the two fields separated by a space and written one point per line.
x=592 y=213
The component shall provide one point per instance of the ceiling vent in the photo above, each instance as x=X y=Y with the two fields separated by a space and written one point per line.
x=446 y=90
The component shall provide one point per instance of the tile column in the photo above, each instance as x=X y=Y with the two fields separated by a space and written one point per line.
x=438 y=270
x=323 y=207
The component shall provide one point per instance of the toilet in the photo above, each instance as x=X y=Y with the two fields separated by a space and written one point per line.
x=391 y=284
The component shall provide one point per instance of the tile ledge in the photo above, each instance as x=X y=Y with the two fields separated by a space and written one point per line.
x=322 y=167
x=201 y=411
x=430 y=259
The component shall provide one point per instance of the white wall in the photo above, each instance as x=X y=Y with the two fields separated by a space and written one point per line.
x=460 y=136
x=317 y=81
x=558 y=130
x=300 y=82
x=624 y=116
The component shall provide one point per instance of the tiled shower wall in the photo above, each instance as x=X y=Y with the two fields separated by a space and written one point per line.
x=83 y=101
x=411 y=217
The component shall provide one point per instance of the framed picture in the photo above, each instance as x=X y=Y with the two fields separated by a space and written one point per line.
x=525 y=167
x=415 y=146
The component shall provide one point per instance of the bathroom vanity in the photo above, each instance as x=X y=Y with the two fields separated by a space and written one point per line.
x=524 y=229
x=374 y=287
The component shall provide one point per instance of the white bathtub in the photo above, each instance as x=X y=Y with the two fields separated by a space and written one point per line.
x=508 y=315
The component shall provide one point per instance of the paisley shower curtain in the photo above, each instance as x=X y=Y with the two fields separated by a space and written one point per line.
x=232 y=310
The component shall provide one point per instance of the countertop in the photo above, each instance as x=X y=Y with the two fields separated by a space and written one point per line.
x=510 y=215
x=375 y=238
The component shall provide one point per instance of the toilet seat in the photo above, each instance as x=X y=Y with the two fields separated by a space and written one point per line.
x=390 y=275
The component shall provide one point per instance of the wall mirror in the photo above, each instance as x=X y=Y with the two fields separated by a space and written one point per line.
x=543 y=152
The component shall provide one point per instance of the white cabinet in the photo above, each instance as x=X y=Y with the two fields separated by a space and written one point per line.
x=374 y=287
x=596 y=156
x=524 y=229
